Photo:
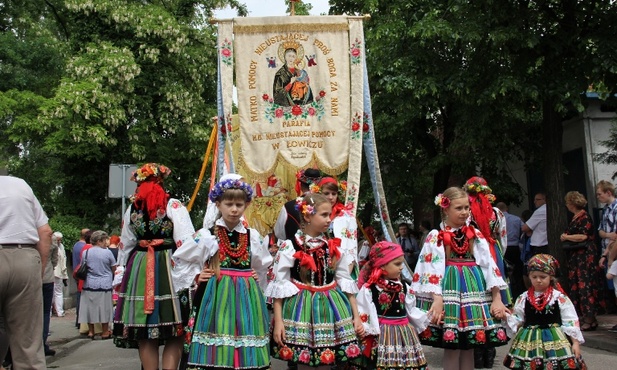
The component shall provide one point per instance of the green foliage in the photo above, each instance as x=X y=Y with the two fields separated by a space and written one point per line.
x=70 y=227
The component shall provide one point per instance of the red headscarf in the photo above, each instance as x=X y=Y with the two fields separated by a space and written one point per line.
x=381 y=254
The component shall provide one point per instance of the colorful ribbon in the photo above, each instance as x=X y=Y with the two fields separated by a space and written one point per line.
x=150 y=264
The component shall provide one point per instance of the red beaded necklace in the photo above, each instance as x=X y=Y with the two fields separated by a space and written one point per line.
x=238 y=252
x=460 y=244
x=539 y=302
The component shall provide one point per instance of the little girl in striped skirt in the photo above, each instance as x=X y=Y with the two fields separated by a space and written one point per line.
x=388 y=313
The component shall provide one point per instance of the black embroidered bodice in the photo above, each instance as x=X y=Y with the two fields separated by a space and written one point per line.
x=550 y=315
x=324 y=275
x=145 y=229
x=389 y=299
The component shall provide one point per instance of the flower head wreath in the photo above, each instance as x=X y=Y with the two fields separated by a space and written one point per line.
x=217 y=191
x=477 y=185
x=150 y=172
x=341 y=185
x=442 y=201
x=304 y=208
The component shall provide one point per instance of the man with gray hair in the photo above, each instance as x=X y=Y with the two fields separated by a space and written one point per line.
x=25 y=239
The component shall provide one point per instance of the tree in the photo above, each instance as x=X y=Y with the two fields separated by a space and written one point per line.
x=457 y=69
x=134 y=81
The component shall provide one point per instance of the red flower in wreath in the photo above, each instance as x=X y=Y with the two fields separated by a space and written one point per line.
x=352 y=350
x=416 y=277
x=448 y=335
x=296 y=110
x=481 y=336
x=286 y=353
x=433 y=279
x=327 y=356
x=428 y=257
x=383 y=298
x=305 y=356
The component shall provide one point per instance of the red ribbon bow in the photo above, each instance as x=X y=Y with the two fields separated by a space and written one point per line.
x=446 y=236
x=150 y=265
x=333 y=247
x=306 y=260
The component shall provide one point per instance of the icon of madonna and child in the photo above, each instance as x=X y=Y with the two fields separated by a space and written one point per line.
x=291 y=82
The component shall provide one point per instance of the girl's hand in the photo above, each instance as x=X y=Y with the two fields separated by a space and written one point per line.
x=254 y=275
x=563 y=237
x=357 y=325
x=499 y=310
x=576 y=349
x=205 y=275
x=278 y=333
x=435 y=313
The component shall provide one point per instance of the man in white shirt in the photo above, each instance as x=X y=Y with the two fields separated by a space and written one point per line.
x=536 y=226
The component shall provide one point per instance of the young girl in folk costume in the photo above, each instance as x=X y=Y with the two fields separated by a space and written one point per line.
x=315 y=312
x=148 y=312
x=458 y=282
x=387 y=310
x=228 y=326
x=492 y=223
x=544 y=320
x=343 y=225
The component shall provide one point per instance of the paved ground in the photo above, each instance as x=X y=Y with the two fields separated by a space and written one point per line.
x=75 y=352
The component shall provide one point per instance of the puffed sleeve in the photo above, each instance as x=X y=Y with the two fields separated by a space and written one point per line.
x=417 y=317
x=343 y=273
x=128 y=239
x=483 y=258
x=345 y=228
x=569 y=318
x=517 y=317
x=430 y=268
x=279 y=226
x=281 y=286
x=190 y=258
x=502 y=230
x=260 y=258
x=367 y=311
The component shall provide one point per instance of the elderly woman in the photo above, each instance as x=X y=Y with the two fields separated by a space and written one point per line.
x=95 y=302
x=581 y=261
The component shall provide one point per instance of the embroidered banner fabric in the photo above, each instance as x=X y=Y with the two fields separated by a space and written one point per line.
x=293 y=81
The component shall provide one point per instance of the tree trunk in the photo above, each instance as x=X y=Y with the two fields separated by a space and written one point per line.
x=556 y=217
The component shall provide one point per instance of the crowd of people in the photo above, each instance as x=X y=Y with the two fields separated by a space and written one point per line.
x=310 y=293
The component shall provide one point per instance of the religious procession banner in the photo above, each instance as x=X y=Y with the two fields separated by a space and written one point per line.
x=302 y=96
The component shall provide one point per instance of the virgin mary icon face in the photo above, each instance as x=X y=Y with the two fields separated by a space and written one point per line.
x=290 y=56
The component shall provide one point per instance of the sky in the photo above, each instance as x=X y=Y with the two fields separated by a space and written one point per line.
x=265 y=8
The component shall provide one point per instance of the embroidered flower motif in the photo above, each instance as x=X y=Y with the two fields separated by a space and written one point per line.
x=304 y=356
x=433 y=279
x=383 y=298
x=481 y=336
x=296 y=110
x=401 y=297
x=428 y=257
x=356 y=124
x=364 y=317
x=497 y=272
x=356 y=52
x=549 y=365
x=352 y=350
x=501 y=335
x=449 y=335
x=226 y=52
x=416 y=277
x=571 y=363
x=327 y=356
x=426 y=334
x=285 y=353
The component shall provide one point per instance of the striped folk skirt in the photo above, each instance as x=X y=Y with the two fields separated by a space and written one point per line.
x=467 y=322
x=228 y=326
x=131 y=322
x=319 y=327
x=534 y=347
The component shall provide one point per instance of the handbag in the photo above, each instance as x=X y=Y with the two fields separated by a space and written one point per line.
x=567 y=245
x=81 y=272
